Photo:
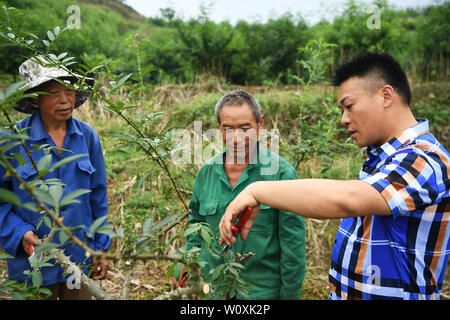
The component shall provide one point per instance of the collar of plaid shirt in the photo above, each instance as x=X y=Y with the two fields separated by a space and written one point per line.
x=390 y=147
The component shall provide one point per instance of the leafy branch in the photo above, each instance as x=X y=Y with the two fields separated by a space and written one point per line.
x=115 y=108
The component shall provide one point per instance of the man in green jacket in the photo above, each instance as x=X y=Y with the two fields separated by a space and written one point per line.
x=278 y=240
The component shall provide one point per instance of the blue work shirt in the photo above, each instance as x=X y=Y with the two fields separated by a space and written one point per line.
x=87 y=172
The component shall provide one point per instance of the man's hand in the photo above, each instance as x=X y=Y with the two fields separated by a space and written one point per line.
x=245 y=199
x=100 y=268
x=184 y=275
x=29 y=238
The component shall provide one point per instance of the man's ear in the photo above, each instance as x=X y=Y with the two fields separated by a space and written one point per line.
x=388 y=95
x=261 y=121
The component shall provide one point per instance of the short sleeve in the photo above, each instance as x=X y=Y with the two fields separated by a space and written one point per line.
x=408 y=182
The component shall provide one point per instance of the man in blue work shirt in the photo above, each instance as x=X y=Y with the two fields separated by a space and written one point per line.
x=51 y=124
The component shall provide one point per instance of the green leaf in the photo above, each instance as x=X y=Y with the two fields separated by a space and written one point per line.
x=147 y=224
x=56 y=30
x=192 y=229
x=6 y=256
x=8 y=146
x=122 y=81
x=164 y=221
x=170 y=271
x=237 y=265
x=141 y=181
x=56 y=192
x=205 y=236
x=46 y=264
x=44 y=164
x=242 y=291
x=66 y=161
x=234 y=271
x=106 y=229
x=10 y=197
x=63 y=237
x=36 y=278
x=14 y=88
x=70 y=197
x=13 y=137
x=62 y=55
x=217 y=271
x=46 y=247
x=50 y=35
x=95 y=225
x=43 y=184
x=48 y=222
x=19 y=158
x=44 y=196
x=177 y=270
x=229 y=255
x=30 y=206
x=48 y=257
x=45 y=291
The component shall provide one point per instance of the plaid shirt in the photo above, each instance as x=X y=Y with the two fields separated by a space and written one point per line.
x=403 y=255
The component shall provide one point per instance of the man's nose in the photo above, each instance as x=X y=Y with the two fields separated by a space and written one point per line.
x=345 y=119
x=238 y=136
x=63 y=97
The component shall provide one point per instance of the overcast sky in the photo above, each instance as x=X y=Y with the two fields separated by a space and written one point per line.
x=251 y=10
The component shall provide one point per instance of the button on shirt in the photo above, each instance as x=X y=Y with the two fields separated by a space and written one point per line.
x=403 y=255
x=277 y=237
x=87 y=172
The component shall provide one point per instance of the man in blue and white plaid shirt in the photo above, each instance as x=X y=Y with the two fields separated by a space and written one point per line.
x=393 y=241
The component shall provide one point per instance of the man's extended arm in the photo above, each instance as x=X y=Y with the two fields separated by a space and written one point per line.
x=311 y=198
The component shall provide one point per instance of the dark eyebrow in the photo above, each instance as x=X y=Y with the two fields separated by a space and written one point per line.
x=343 y=100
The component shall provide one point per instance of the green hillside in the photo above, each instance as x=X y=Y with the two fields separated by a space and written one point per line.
x=122 y=8
x=103 y=27
x=166 y=48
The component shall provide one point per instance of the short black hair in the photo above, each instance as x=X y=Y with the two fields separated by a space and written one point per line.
x=379 y=64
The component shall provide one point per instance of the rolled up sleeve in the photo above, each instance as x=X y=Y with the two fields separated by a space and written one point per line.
x=407 y=182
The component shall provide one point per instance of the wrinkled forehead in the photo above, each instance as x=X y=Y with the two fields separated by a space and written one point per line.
x=237 y=113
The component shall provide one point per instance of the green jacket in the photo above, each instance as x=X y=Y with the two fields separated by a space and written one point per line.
x=277 y=237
